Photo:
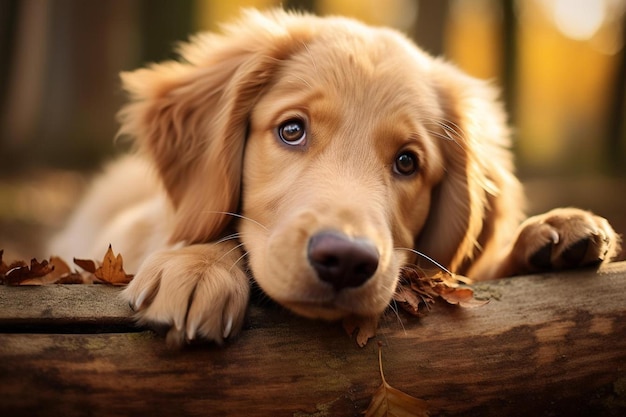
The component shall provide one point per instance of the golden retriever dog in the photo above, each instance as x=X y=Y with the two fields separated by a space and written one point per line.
x=317 y=156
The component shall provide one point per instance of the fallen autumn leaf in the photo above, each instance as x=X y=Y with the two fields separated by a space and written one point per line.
x=112 y=269
x=388 y=401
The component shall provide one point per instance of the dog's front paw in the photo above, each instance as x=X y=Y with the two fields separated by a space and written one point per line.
x=196 y=292
x=563 y=238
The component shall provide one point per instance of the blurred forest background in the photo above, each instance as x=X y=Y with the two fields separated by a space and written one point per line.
x=561 y=65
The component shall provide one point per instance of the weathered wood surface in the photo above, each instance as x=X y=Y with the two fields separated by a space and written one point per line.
x=545 y=345
x=52 y=308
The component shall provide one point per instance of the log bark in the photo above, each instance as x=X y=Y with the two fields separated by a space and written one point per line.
x=552 y=344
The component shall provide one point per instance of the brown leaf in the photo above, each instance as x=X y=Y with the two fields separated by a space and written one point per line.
x=112 y=269
x=19 y=273
x=40 y=269
x=412 y=301
x=58 y=269
x=390 y=402
x=364 y=326
x=87 y=264
x=60 y=266
x=417 y=290
x=4 y=268
x=464 y=297
x=62 y=274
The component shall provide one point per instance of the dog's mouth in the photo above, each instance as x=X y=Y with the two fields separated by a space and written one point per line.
x=318 y=310
x=334 y=305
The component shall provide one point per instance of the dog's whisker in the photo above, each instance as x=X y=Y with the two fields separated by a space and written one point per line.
x=452 y=127
x=447 y=133
x=239 y=216
x=234 y=236
x=229 y=252
x=428 y=258
x=451 y=130
x=444 y=136
x=396 y=311
x=238 y=260
x=417 y=267
x=443 y=132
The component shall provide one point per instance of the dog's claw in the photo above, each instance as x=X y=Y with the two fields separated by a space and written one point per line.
x=554 y=236
x=178 y=325
x=228 y=326
x=140 y=299
x=175 y=338
x=191 y=330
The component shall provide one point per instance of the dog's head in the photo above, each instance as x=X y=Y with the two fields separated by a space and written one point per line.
x=342 y=146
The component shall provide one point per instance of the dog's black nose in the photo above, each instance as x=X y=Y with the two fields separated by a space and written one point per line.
x=342 y=261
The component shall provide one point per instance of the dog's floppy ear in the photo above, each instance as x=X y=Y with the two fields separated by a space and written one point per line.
x=467 y=206
x=190 y=116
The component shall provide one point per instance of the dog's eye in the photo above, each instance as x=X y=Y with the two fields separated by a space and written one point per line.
x=292 y=132
x=407 y=163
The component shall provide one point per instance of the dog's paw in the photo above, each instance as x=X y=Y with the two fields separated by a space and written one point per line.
x=197 y=292
x=563 y=238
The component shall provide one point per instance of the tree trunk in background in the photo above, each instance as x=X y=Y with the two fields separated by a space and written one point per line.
x=60 y=85
x=429 y=30
x=616 y=149
x=9 y=11
x=509 y=56
x=306 y=5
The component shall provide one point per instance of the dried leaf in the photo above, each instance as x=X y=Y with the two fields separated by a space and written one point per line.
x=418 y=290
x=86 y=264
x=16 y=272
x=464 y=297
x=40 y=269
x=112 y=269
x=415 y=294
x=60 y=266
x=390 y=402
x=19 y=273
x=62 y=274
x=364 y=326
x=58 y=269
x=412 y=301
x=3 y=267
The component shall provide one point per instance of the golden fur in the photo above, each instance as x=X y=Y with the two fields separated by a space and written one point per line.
x=213 y=196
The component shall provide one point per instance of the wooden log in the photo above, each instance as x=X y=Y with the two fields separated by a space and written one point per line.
x=553 y=344
x=52 y=308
